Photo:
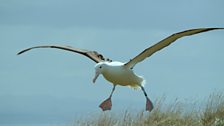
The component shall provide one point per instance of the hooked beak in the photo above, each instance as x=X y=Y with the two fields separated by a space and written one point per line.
x=96 y=76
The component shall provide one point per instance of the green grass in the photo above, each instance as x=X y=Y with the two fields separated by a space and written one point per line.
x=164 y=115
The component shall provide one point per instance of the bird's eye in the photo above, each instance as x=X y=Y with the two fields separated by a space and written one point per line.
x=100 y=67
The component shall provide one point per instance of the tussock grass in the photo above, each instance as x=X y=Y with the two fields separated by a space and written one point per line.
x=164 y=115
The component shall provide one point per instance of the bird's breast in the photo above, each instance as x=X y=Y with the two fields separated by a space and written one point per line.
x=123 y=77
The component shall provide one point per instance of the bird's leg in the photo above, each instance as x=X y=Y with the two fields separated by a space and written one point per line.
x=149 y=105
x=107 y=104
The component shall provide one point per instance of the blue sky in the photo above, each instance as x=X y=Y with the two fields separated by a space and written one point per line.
x=47 y=85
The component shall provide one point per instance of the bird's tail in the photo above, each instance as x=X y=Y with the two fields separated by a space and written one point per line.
x=142 y=83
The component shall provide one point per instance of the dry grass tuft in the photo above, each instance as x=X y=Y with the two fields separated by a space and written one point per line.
x=165 y=115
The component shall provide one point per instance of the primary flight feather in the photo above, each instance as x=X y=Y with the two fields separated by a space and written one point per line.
x=119 y=73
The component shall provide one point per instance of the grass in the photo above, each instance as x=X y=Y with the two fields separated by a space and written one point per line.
x=171 y=115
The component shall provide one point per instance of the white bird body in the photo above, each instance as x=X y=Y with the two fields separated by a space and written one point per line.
x=118 y=74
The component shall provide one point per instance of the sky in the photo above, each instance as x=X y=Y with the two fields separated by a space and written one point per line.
x=54 y=86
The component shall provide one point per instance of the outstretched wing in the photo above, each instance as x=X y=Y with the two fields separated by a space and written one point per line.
x=165 y=42
x=95 y=56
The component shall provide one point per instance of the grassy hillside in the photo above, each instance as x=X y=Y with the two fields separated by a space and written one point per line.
x=172 y=115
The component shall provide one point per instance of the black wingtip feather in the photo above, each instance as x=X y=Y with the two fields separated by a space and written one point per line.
x=23 y=51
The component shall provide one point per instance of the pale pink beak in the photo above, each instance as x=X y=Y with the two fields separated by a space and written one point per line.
x=96 y=76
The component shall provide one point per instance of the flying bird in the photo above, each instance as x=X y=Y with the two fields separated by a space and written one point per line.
x=121 y=73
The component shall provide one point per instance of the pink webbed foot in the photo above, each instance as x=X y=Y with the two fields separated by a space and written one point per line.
x=106 y=105
x=149 y=105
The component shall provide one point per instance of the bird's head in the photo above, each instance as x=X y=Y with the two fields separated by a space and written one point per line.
x=99 y=69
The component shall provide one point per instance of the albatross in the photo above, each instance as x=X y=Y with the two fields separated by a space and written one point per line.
x=121 y=73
